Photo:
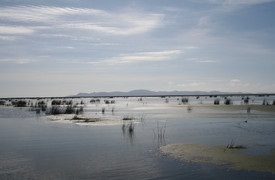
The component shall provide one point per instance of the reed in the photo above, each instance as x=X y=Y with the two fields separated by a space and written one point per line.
x=232 y=145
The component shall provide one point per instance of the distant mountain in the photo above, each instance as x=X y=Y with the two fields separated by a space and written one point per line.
x=143 y=92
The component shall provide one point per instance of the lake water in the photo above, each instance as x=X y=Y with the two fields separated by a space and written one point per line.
x=32 y=146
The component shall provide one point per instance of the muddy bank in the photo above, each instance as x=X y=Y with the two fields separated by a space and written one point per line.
x=220 y=155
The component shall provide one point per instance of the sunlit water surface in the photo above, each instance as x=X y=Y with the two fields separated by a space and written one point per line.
x=34 y=147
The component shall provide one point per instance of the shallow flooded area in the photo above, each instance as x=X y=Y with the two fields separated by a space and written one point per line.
x=221 y=155
x=139 y=138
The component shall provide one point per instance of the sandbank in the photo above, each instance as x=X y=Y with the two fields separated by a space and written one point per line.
x=220 y=155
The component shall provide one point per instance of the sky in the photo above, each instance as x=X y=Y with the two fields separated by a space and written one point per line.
x=64 y=47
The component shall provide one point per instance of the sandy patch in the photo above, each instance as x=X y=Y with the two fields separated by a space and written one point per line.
x=220 y=155
x=89 y=121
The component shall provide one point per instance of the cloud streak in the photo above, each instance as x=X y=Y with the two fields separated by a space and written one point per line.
x=8 y=30
x=142 y=57
x=121 y=23
x=238 y=2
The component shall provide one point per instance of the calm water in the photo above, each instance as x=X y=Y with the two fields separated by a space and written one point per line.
x=33 y=147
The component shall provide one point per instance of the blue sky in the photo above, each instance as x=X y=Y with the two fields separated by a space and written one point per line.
x=58 y=48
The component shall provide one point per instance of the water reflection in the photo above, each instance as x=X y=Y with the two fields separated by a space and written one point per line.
x=159 y=134
x=128 y=131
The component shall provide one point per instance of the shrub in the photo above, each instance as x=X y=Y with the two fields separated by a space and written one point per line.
x=184 y=100
x=55 y=110
x=103 y=110
x=70 y=110
x=20 y=103
x=2 y=102
x=80 y=110
x=67 y=102
x=42 y=105
x=216 y=101
x=227 y=101
x=56 y=102
x=92 y=101
x=246 y=100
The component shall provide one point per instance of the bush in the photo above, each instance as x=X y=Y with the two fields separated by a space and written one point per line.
x=19 y=103
x=56 y=102
x=42 y=105
x=70 y=110
x=2 y=102
x=184 y=100
x=216 y=101
x=55 y=110
x=227 y=101
x=246 y=100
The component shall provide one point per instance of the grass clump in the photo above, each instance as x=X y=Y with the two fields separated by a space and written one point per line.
x=232 y=145
x=69 y=109
x=265 y=102
x=128 y=118
x=84 y=119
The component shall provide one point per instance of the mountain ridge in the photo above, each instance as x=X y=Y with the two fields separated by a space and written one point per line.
x=143 y=92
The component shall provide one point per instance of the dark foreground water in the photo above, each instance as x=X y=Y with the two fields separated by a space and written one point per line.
x=33 y=147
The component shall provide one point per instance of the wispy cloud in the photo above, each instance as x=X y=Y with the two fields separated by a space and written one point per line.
x=7 y=38
x=191 y=84
x=15 y=30
x=232 y=5
x=115 y=23
x=239 y=2
x=238 y=83
x=143 y=57
x=201 y=60
x=43 y=14
x=17 y=60
x=235 y=82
